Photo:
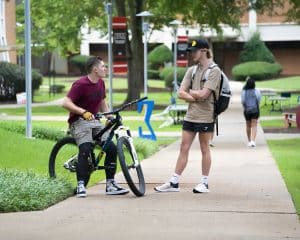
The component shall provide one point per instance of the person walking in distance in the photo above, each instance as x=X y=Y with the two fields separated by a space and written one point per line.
x=86 y=98
x=250 y=99
x=198 y=92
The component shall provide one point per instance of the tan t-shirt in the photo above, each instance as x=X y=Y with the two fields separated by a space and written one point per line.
x=202 y=111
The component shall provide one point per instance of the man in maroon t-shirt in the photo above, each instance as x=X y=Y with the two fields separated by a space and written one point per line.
x=85 y=98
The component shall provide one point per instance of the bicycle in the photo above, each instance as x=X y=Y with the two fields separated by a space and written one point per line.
x=64 y=155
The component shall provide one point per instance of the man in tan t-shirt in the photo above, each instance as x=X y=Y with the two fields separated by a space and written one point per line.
x=198 y=92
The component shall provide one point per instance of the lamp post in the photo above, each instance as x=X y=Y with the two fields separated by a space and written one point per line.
x=145 y=23
x=28 y=68
x=108 y=9
x=174 y=24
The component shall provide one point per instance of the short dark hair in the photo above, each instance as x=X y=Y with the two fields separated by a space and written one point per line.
x=91 y=62
x=250 y=83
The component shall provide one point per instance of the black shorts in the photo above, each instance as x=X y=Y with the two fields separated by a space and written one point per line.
x=250 y=116
x=198 y=127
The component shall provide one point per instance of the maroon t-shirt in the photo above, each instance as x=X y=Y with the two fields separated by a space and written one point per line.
x=86 y=95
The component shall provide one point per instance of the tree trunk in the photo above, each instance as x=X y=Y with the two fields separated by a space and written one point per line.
x=134 y=49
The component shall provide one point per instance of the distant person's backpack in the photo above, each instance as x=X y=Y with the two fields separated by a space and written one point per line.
x=251 y=103
x=222 y=103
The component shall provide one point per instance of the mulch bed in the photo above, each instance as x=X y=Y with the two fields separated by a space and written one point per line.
x=281 y=130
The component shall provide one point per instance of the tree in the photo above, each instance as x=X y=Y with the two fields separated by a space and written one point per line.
x=256 y=50
x=56 y=24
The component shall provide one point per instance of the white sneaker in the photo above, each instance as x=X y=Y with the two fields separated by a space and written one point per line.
x=253 y=144
x=250 y=144
x=112 y=188
x=201 y=188
x=81 y=191
x=168 y=187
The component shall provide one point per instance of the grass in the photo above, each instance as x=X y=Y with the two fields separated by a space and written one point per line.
x=287 y=156
x=42 y=95
x=28 y=191
x=283 y=84
x=36 y=110
x=266 y=107
x=24 y=168
x=272 y=123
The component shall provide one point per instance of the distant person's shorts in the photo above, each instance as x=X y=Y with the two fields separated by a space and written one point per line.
x=198 y=127
x=250 y=116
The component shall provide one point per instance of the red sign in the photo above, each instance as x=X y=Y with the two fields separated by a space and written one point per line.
x=182 y=45
x=119 y=44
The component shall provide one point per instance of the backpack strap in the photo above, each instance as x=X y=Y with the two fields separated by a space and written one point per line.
x=193 y=75
x=215 y=101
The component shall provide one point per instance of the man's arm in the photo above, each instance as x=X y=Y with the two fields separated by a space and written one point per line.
x=103 y=106
x=184 y=95
x=71 y=107
x=200 y=94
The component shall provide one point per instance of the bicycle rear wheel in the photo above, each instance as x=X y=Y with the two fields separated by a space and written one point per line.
x=132 y=173
x=63 y=159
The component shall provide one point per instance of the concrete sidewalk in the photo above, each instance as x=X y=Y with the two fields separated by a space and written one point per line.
x=248 y=199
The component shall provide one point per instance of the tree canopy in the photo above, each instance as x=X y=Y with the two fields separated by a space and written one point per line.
x=57 y=24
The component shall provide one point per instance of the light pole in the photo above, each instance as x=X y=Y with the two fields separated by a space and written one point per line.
x=108 y=9
x=174 y=24
x=28 y=69
x=145 y=23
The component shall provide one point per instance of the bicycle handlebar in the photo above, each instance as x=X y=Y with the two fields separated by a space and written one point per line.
x=99 y=115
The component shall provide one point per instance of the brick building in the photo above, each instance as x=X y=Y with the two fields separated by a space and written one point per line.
x=8 y=51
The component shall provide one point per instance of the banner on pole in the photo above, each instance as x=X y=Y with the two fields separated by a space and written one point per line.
x=182 y=45
x=119 y=45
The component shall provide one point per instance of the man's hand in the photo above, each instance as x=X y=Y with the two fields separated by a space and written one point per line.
x=88 y=116
x=109 y=119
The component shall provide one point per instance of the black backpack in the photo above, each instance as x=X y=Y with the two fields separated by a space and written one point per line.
x=222 y=103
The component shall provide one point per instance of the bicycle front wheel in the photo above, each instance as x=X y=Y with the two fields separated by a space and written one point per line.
x=133 y=173
x=63 y=159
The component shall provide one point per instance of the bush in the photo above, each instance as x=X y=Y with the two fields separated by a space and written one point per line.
x=12 y=80
x=256 y=50
x=37 y=132
x=145 y=147
x=159 y=56
x=165 y=72
x=79 y=61
x=256 y=70
x=57 y=88
x=153 y=74
x=170 y=77
x=28 y=191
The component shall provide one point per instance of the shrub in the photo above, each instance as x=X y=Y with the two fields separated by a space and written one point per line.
x=57 y=88
x=165 y=72
x=153 y=74
x=28 y=191
x=159 y=56
x=256 y=50
x=37 y=132
x=12 y=80
x=257 y=70
x=145 y=147
x=170 y=77
x=79 y=61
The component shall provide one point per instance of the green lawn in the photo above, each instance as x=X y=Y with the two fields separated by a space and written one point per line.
x=290 y=83
x=42 y=95
x=18 y=152
x=24 y=182
x=287 y=156
x=272 y=123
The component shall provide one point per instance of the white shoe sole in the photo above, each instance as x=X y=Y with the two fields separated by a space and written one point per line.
x=118 y=193
x=81 y=195
x=203 y=191
x=167 y=190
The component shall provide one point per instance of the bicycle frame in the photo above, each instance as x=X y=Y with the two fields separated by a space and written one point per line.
x=117 y=128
